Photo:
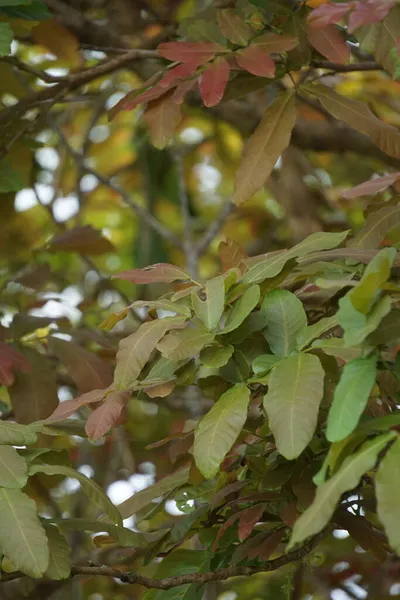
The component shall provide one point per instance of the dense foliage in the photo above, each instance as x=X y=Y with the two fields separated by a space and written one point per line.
x=200 y=335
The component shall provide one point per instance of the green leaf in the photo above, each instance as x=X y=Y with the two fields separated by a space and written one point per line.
x=264 y=363
x=13 y=468
x=358 y=326
x=36 y=11
x=164 y=370
x=60 y=555
x=22 y=537
x=124 y=537
x=92 y=489
x=209 y=310
x=387 y=485
x=375 y=275
x=387 y=331
x=380 y=39
x=377 y=225
x=336 y=347
x=16 y=434
x=350 y=397
x=312 y=332
x=10 y=180
x=135 y=350
x=242 y=308
x=15 y=2
x=286 y=321
x=218 y=430
x=179 y=308
x=187 y=343
x=216 y=356
x=296 y=387
x=267 y=267
x=328 y=495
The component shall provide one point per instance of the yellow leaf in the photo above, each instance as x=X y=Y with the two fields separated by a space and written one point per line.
x=59 y=40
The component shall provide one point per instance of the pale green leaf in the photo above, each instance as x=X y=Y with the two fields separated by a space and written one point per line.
x=242 y=308
x=387 y=485
x=377 y=225
x=13 y=468
x=135 y=350
x=216 y=356
x=6 y=37
x=218 y=430
x=328 y=495
x=17 y=434
x=350 y=397
x=286 y=321
x=358 y=326
x=209 y=310
x=379 y=39
x=60 y=555
x=187 y=343
x=92 y=489
x=264 y=363
x=163 y=370
x=364 y=294
x=22 y=537
x=296 y=387
x=314 y=331
x=336 y=347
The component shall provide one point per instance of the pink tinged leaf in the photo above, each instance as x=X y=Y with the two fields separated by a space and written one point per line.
x=182 y=89
x=256 y=61
x=158 y=273
x=328 y=14
x=329 y=43
x=369 y=12
x=196 y=53
x=233 y=27
x=213 y=82
x=10 y=360
x=177 y=73
x=368 y=188
x=106 y=416
x=271 y=42
x=69 y=407
x=133 y=99
x=248 y=520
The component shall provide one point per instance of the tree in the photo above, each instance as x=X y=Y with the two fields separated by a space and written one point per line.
x=200 y=232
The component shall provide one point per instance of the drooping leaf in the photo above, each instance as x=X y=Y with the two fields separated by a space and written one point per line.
x=196 y=53
x=242 y=308
x=83 y=240
x=69 y=407
x=264 y=147
x=135 y=350
x=231 y=254
x=353 y=468
x=173 y=76
x=377 y=225
x=213 y=82
x=13 y=469
x=159 y=273
x=248 y=519
x=350 y=397
x=101 y=420
x=218 y=430
x=286 y=320
x=330 y=43
x=257 y=61
x=315 y=330
x=372 y=187
x=292 y=402
x=22 y=537
x=233 y=27
x=187 y=343
x=92 y=489
x=387 y=482
x=216 y=356
x=60 y=555
x=209 y=308
x=162 y=117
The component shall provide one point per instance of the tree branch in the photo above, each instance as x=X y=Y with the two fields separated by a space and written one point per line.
x=215 y=227
x=360 y=66
x=189 y=247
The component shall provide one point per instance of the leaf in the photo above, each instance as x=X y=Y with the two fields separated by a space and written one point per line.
x=196 y=53
x=330 y=43
x=377 y=225
x=328 y=14
x=158 y=273
x=242 y=84
x=264 y=363
x=242 y=308
x=379 y=39
x=124 y=537
x=68 y=407
x=233 y=27
x=369 y=12
x=6 y=37
x=387 y=331
x=230 y=254
x=328 y=495
x=178 y=308
x=36 y=11
x=101 y=420
x=210 y=308
x=286 y=321
x=266 y=267
x=248 y=520
x=135 y=350
x=83 y=240
x=11 y=359
x=350 y=397
x=60 y=555
x=163 y=370
x=213 y=82
x=336 y=347
x=162 y=117
x=358 y=326
x=187 y=343
x=173 y=76
x=216 y=433
x=17 y=434
x=387 y=482
x=13 y=469
x=86 y=369
x=315 y=330
x=271 y=42
x=264 y=147
x=141 y=499
x=92 y=489
x=292 y=403
x=365 y=293
x=372 y=187
x=59 y=40
x=357 y=115
x=10 y=180
x=216 y=356
x=22 y=537
x=256 y=61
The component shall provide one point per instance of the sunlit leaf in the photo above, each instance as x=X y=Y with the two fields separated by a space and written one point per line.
x=272 y=42
x=286 y=321
x=231 y=254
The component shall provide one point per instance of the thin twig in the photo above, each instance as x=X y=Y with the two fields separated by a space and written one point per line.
x=360 y=66
x=189 y=246
x=215 y=227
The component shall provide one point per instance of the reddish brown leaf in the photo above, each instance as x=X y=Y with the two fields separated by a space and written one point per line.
x=229 y=489
x=328 y=14
x=174 y=75
x=329 y=42
x=256 y=61
x=272 y=42
x=10 y=360
x=84 y=240
x=34 y=276
x=248 y=520
x=213 y=82
x=196 y=53
x=162 y=117
x=87 y=370
x=267 y=546
x=133 y=99
x=223 y=528
x=182 y=89
x=106 y=416
x=158 y=273
x=233 y=27
x=368 y=12
x=373 y=186
x=289 y=514
x=365 y=534
x=231 y=254
x=69 y=407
